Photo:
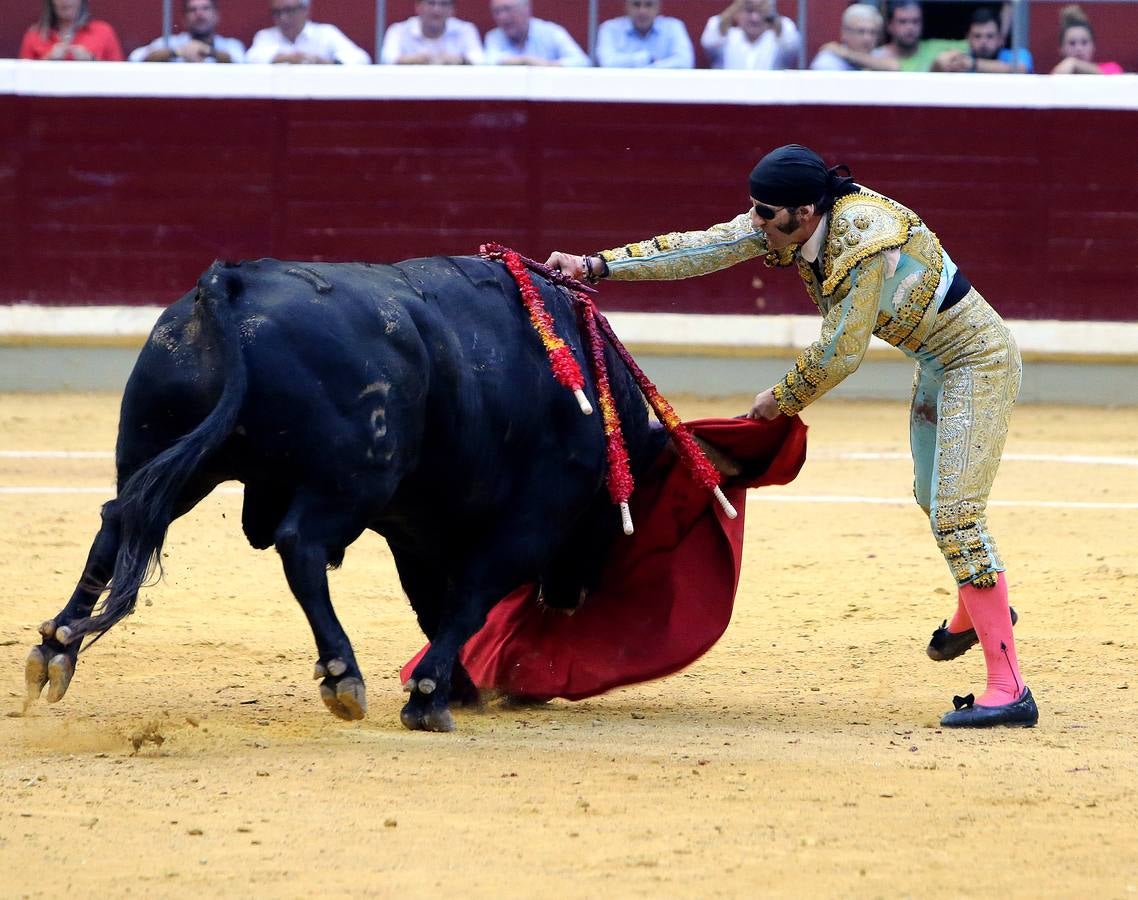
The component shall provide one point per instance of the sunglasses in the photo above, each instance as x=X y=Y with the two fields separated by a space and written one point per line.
x=769 y=212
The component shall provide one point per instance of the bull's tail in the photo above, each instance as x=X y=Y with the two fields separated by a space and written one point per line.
x=147 y=503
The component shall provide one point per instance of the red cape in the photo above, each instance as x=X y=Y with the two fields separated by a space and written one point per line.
x=666 y=593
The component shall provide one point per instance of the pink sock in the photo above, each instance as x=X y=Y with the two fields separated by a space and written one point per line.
x=988 y=609
x=960 y=621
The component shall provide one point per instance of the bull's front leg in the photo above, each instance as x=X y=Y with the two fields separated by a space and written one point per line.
x=440 y=678
x=52 y=663
x=302 y=541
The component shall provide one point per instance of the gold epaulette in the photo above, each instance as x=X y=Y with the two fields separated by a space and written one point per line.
x=861 y=225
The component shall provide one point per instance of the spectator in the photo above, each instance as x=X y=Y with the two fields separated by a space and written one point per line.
x=985 y=51
x=294 y=39
x=644 y=39
x=1077 y=44
x=433 y=36
x=905 y=51
x=198 y=41
x=66 y=31
x=861 y=30
x=750 y=34
x=521 y=40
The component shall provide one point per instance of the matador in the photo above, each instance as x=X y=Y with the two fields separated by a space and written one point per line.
x=872 y=267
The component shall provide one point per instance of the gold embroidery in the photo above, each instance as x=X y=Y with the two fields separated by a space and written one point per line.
x=900 y=328
x=781 y=258
x=682 y=254
x=976 y=375
x=883 y=225
x=846 y=328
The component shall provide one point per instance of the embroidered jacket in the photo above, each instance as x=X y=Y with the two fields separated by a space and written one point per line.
x=882 y=271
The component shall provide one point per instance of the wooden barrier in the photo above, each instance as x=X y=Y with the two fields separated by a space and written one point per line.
x=116 y=191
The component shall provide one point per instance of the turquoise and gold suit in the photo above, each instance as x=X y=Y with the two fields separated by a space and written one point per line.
x=874 y=268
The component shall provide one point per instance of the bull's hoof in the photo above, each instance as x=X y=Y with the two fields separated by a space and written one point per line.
x=346 y=699
x=60 y=671
x=35 y=673
x=45 y=668
x=416 y=718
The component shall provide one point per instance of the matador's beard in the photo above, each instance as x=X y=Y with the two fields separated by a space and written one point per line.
x=793 y=223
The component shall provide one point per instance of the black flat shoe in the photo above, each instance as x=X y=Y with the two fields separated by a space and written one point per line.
x=948 y=645
x=1022 y=713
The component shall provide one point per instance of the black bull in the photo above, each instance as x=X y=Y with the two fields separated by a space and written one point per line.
x=415 y=400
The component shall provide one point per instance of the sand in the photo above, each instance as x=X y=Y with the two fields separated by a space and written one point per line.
x=801 y=757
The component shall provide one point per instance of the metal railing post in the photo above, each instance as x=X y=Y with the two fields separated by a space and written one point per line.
x=1021 y=23
x=380 y=25
x=802 y=6
x=592 y=29
x=167 y=20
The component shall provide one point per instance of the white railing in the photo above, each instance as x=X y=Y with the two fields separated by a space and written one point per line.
x=706 y=87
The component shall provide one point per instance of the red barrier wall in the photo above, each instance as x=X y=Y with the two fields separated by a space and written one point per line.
x=127 y=200
x=140 y=21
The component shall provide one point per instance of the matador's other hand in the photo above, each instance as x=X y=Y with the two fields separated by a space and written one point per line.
x=765 y=406
x=571 y=264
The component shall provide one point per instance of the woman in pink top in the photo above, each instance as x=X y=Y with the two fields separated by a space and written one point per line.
x=65 y=31
x=1077 y=44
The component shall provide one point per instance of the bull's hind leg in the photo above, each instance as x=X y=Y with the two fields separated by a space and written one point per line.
x=313 y=536
x=52 y=663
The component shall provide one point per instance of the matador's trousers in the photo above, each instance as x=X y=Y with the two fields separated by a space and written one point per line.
x=967 y=380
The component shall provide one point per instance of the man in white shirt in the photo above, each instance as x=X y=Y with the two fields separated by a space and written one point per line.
x=522 y=40
x=750 y=34
x=433 y=36
x=861 y=30
x=198 y=41
x=294 y=39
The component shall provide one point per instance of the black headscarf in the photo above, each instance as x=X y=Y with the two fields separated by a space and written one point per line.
x=794 y=175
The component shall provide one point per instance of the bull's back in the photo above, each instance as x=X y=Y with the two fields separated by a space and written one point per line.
x=429 y=364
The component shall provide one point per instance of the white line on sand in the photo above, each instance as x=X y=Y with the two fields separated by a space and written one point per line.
x=1072 y=459
x=765 y=497
x=871 y=456
x=753 y=497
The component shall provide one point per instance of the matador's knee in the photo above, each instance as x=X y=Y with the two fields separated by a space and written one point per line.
x=961 y=532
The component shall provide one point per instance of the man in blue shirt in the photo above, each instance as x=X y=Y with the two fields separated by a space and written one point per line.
x=644 y=39
x=521 y=40
x=986 y=50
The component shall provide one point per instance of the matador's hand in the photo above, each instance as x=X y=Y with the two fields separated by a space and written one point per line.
x=571 y=264
x=765 y=406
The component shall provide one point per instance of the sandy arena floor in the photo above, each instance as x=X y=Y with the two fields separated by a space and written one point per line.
x=800 y=758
